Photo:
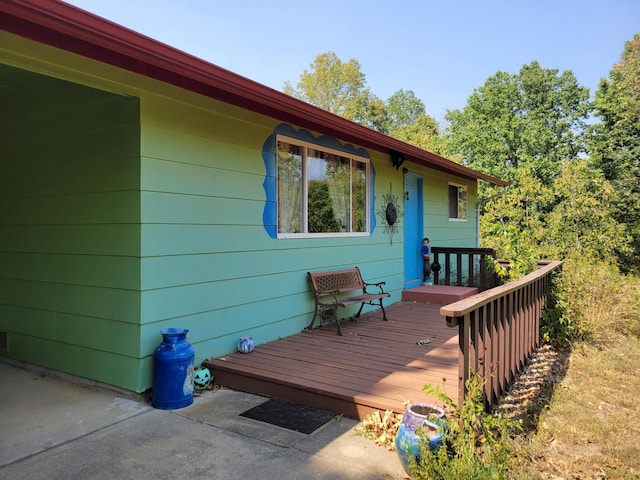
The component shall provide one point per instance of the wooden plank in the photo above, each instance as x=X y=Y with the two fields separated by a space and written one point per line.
x=375 y=365
x=332 y=370
x=458 y=309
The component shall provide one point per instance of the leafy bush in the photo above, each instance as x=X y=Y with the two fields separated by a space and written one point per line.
x=516 y=246
x=554 y=327
x=475 y=444
x=589 y=301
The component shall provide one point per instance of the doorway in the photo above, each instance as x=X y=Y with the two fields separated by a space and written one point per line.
x=413 y=229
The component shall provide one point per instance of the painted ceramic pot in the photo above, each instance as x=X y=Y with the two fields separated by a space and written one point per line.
x=245 y=345
x=427 y=417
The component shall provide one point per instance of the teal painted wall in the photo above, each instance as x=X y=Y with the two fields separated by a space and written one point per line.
x=69 y=228
x=441 y=231
x=120 y=217
x=207 y=262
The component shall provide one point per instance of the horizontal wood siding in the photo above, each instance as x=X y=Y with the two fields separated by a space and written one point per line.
x=441 y=231
x=208 y=264
x=125 y=214
x=69 y=228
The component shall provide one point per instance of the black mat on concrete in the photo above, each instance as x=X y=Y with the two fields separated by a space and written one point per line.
x=289 y=415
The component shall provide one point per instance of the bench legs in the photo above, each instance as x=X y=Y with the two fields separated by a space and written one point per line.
x=327 y=311
x=332 y=311
x=384 y=314
x=315 y=314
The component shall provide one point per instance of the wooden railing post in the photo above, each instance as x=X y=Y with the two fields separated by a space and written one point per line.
x=451 y=261
x=498 y=331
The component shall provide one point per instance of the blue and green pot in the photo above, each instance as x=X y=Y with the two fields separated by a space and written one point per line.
x=431 y=419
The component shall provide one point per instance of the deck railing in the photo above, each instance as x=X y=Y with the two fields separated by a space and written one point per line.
x=463 y=267
x=499 y=329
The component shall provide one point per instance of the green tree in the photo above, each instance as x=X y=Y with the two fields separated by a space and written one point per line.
x=426 y=134
x=514 y=222
x=403 y=110
x=571 y=217
x=615 y=141
x=522 y=128
x=321 y=214
x=581 y=222
x=534 y=119
x=339 y=88
x=408 y=121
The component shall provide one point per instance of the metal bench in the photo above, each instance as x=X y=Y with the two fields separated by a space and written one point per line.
x=330 y=290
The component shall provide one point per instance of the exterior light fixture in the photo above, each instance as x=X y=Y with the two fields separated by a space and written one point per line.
x=397 y=158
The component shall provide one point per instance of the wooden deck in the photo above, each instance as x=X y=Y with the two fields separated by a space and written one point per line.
x=375 y=365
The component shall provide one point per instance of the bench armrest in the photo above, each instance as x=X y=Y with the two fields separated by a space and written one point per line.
x=379 y=285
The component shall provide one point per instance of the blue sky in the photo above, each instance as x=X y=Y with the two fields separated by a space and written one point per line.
x=442 y=50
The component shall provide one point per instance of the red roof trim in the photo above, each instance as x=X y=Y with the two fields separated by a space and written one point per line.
x=69 y=28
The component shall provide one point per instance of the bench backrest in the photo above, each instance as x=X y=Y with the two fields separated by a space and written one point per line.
x=336 y=281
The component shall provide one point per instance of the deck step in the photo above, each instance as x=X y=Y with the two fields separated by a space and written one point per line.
x=437 y=294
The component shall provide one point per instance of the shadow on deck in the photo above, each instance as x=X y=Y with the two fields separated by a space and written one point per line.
x=375 y=365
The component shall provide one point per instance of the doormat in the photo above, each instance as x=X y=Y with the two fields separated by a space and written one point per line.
x=289 y=415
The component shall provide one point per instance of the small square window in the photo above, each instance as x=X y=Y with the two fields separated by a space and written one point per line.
x=457 y=202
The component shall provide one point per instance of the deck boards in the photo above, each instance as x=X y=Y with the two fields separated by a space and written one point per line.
x=375 y=365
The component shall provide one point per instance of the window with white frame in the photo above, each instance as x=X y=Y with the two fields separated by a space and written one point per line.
x=320 y=191
x=457 y=202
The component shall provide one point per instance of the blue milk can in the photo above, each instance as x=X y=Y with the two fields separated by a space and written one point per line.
x=173 y=370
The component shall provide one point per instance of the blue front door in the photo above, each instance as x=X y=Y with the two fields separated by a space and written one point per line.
x=413 y=230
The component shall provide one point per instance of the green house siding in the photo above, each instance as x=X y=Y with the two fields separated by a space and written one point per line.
x=128 y=212
x=442 y=231
x=69 y=228
x=207 y=263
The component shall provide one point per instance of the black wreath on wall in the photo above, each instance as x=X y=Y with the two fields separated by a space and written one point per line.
x=390 y=213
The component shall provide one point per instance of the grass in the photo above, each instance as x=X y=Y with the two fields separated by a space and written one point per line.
x=590 y=429
x=586 y=424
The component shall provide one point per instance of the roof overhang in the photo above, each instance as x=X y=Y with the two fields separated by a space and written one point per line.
x=69 y=28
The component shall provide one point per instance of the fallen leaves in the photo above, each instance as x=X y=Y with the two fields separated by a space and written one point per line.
x=381 y=428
